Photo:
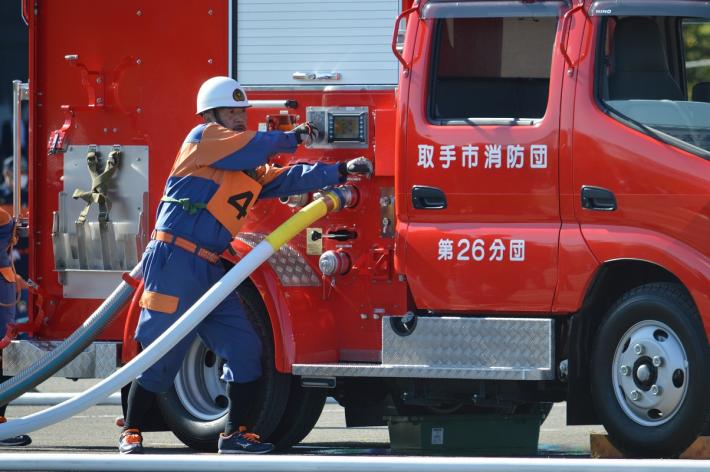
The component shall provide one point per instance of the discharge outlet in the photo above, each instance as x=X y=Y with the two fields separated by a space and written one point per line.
x=334 y=263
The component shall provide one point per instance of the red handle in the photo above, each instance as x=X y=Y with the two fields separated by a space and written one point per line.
x=395 y=34
x=566 y=20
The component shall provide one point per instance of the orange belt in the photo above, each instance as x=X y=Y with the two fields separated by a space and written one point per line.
x=185 y=244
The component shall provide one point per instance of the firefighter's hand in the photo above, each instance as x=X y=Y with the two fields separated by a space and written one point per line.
x=360 y=165
x=306 y=133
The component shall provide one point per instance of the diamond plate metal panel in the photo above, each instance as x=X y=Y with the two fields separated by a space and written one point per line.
x=96 y=361
x=291 y=267
x=480 y=343
x=457 y=348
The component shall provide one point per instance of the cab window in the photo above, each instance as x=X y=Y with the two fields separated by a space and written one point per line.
x=696 y=39
x=654 y=75
x=491 y=68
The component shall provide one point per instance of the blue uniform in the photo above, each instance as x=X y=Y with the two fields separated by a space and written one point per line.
x=210 y=171
x=8 y=291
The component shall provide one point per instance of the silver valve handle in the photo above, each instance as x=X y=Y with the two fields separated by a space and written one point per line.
x=304 y=76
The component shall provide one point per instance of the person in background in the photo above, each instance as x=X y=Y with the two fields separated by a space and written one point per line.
x=10 y=284
x=20 y=251
x=6 y=188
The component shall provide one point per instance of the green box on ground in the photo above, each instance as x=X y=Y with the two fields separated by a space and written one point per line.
x=481 y=435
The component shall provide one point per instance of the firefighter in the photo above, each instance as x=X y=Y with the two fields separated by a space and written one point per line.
x=10 y=284
x=220 y=171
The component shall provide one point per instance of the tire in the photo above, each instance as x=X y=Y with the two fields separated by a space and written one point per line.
x=650 y=377
x=303 y=410
x=195 y=408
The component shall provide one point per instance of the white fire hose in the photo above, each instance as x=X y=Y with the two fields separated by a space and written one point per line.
x=331 y=200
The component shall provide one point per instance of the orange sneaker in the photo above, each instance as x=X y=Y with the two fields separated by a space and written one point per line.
x=130 y=442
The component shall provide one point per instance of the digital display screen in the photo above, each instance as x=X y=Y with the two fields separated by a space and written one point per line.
x=346 y=127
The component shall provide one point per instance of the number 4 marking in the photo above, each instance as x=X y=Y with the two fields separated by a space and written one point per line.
x=241 y=202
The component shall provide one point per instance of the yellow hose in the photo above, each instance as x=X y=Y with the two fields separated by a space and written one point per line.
x=314 y=211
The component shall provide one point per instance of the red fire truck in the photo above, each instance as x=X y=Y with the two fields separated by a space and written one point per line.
x=537 y=228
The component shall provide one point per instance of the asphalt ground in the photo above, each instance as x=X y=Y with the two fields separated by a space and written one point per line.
x=94 y=431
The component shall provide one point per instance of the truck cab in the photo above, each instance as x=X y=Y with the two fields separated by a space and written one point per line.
x=552 y=163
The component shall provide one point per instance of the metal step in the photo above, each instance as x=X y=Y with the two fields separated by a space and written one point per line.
x=420 y=371
x=485 y=348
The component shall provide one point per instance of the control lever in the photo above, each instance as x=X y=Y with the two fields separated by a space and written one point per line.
x=23 y=227
x=338 y=235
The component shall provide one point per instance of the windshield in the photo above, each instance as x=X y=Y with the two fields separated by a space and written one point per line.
x=656 y=75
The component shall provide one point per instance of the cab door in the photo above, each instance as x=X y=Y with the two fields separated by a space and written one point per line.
x=480 y=167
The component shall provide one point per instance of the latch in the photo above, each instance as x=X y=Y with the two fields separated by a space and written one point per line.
x=57 y=143
x=387 y=212
x=316 y=76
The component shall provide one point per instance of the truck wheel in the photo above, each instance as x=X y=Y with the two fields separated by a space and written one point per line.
x=303 y=410
x=650 y=376
x=195 y=408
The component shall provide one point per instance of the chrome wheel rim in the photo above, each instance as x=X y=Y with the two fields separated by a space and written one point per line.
x=198 y=385
x=650 y=373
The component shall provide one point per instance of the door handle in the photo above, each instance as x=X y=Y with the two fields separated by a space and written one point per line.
x=20 y=92
x=316 y=76
x=599 y=199
x=428 y=198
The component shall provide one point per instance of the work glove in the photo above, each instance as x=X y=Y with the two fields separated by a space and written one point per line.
x=359 y=165
x=306 y=133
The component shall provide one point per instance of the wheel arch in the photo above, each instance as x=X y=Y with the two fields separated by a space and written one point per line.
x=611 y=281
x=267 y=283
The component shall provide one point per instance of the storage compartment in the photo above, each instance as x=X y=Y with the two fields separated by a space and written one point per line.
x=312 y=43
x=91 y=256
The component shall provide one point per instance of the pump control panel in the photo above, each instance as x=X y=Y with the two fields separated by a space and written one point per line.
x=341 y=127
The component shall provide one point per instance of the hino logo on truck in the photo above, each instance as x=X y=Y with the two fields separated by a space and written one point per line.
x=602 y=12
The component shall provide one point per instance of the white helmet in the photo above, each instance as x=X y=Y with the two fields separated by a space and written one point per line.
x=219 y=92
